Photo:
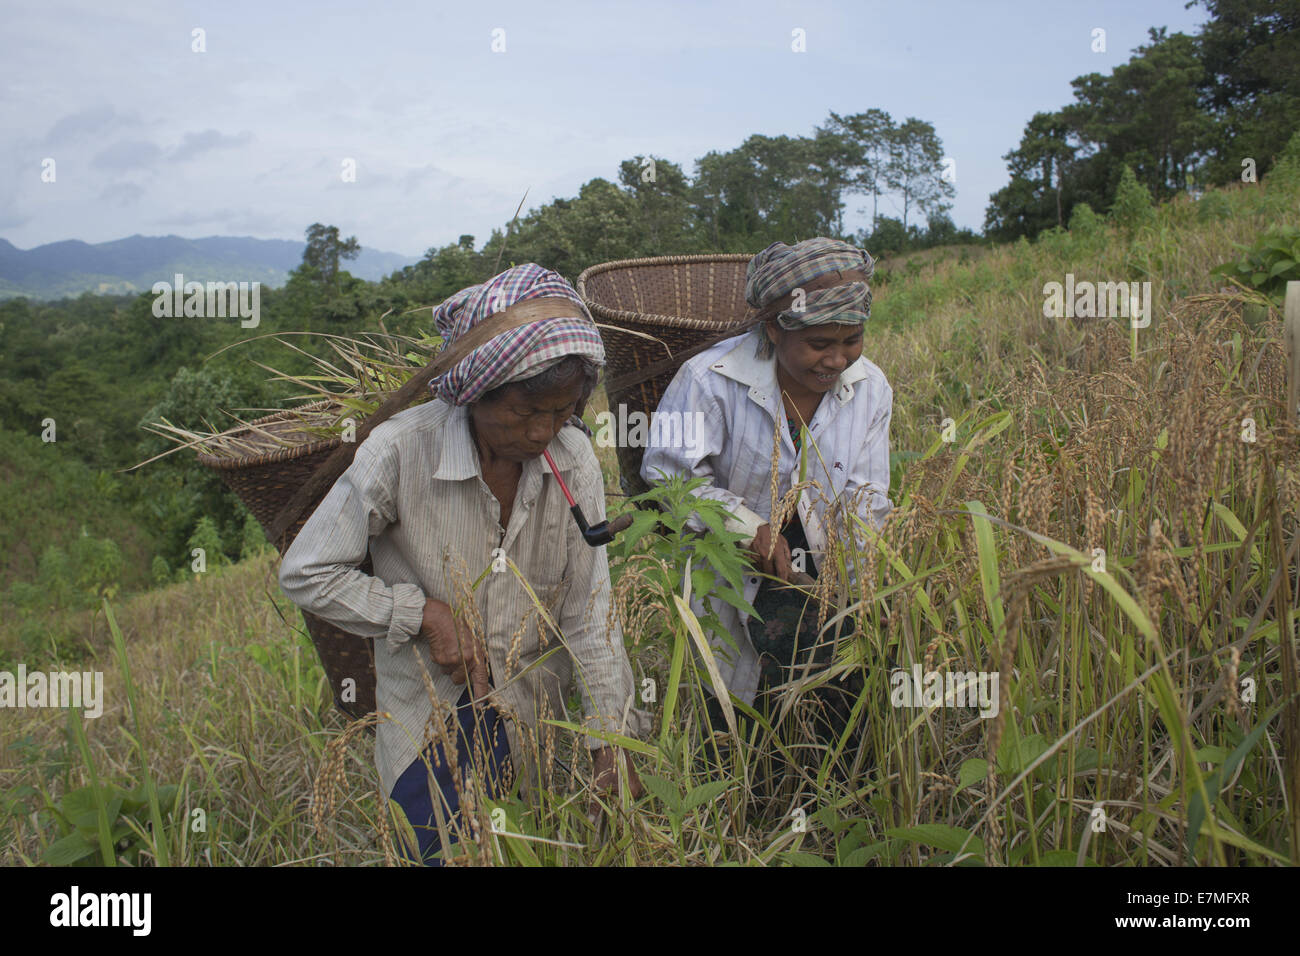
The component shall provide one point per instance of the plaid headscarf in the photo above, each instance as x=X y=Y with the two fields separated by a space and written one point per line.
x=779 y=269
x=520 y=353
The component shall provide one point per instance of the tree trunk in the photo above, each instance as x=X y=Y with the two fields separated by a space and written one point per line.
x=1059 y=220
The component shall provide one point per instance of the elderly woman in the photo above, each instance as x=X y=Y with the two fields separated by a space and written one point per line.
x=446 y=497
x=800 y=373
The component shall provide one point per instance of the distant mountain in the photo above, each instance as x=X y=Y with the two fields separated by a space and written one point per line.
x=71 y=267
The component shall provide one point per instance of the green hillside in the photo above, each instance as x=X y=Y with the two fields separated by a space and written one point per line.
x=1076 y=432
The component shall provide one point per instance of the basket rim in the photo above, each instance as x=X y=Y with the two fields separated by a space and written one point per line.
x=280 y=454
x=655 y=318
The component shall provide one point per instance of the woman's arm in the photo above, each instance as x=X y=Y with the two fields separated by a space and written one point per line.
x=320 y=572
x=686 y=395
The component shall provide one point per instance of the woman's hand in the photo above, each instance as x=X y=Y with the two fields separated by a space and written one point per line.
x=605 y=771
x=779 y=565
x=454 y=648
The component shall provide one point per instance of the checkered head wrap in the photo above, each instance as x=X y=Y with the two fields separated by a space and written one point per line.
x=519 y=353
x=780 y=269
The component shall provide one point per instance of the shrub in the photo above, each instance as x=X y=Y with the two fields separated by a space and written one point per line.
x=207 y=539
x=1085 y=222
x=253 y=541
x=1287 y=168
x=1213 y=207
x=1268 y=264
x=1132 y=208
x=159 y=571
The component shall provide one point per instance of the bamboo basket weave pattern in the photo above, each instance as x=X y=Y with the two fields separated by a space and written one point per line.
x=678 y=301
x=265 y=481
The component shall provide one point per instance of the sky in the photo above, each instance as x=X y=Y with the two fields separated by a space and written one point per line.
x=408 y=124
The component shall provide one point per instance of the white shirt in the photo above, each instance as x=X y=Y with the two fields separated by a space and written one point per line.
x=847 y=448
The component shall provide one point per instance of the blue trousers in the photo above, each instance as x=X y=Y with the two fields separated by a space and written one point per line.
x=413 y=792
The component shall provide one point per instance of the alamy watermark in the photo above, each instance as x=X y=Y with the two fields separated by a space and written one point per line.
x=1098 y=300
x=624 y=429
x=953 y=689
x=218 y=300
x=55 y=689
x=129 y=910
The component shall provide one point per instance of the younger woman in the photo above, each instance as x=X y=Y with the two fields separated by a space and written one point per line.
x=801 y=372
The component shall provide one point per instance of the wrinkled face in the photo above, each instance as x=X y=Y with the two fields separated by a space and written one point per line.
x=814 y=357
x=518 y=425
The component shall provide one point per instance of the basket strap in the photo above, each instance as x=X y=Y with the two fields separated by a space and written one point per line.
x=520 y=314
x=621 y=383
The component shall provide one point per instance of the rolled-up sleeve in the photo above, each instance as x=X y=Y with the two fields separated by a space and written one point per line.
x=320 y=572
x=601 y=667
x=685 y=396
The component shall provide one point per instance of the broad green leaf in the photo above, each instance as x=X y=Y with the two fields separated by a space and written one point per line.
x=865 y=854
x=972 y=771
x=664 y=791
x=705 y=793
x=800 y=858
x=1211 y=754
x=68 y=850
x=1013 y=758
x=940 y=835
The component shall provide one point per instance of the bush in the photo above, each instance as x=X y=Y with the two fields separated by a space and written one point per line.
x=1268 y=264
x=70 y=580
x=1085 y=222
x=253 y=540
x=97 y=568
x=1213 y=207
x=1287 y=168
x=207 y=540
x=160 y=571
x=1132 y=208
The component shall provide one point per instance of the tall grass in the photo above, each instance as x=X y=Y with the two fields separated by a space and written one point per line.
x=1093 y=527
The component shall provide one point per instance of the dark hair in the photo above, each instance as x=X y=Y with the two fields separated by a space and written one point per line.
x=561 y=373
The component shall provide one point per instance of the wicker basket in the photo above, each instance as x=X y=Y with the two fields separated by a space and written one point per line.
x=265 y=482
x=678 y=302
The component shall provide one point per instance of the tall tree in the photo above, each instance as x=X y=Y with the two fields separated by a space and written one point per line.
x=867 y=139
x=660 y=192
x=914 y=168
x=1250 y=51
x=769 y=188
x=324 y=250
x=1145 y=113
x=1037 y=197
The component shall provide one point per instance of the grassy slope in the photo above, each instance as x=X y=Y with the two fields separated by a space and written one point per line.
x=246 y=737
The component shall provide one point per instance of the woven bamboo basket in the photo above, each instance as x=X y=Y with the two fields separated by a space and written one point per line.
x=657 y=308
x=265 y=482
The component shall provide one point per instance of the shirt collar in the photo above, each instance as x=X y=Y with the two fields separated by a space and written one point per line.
x=458 y=458
x=742 y=365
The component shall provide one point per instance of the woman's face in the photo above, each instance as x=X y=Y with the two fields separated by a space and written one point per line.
x=814 y=357
x=519 y=425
